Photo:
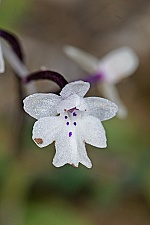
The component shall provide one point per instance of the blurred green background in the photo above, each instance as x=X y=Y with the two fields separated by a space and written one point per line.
x=116 y=191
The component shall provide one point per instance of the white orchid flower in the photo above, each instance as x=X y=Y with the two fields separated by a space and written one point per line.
x=2 y=67
x=71 y=121
x=110 y=70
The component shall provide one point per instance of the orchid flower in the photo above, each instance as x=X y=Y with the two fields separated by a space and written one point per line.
x=1 y=60
x=71 y=121
x=108 y=71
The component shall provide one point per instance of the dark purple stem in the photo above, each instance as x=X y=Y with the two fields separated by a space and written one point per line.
x=13 y=42
x=48 y=75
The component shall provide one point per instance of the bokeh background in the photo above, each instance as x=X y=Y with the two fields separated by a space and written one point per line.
x=116 y=191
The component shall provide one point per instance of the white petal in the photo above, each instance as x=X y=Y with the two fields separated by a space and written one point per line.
x=1 y=60
x=64 y=156
x=70 y=149
x=92 y=131
x=73 y=101
x=41 y=105
x=101 y=108
x=118 y=64
x=77 y=87
x=110 y=91
x=45 y=130
x=83 y=157
x=86 y=60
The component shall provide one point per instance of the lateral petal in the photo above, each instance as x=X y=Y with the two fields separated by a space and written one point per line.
x=41 y=105
x=101 y=108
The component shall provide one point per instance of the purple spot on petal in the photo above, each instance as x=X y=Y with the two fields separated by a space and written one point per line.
x=70 y=134
x=74 y=114
x=75 y=123
x=66 y=117
x=67 y=123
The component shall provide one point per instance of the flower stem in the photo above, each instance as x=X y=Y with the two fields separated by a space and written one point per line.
x=13 y=42
x=47 y=74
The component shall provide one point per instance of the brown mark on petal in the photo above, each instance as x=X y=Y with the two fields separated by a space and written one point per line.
x=65 y=110
x=38 y=140
x=73 y=165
